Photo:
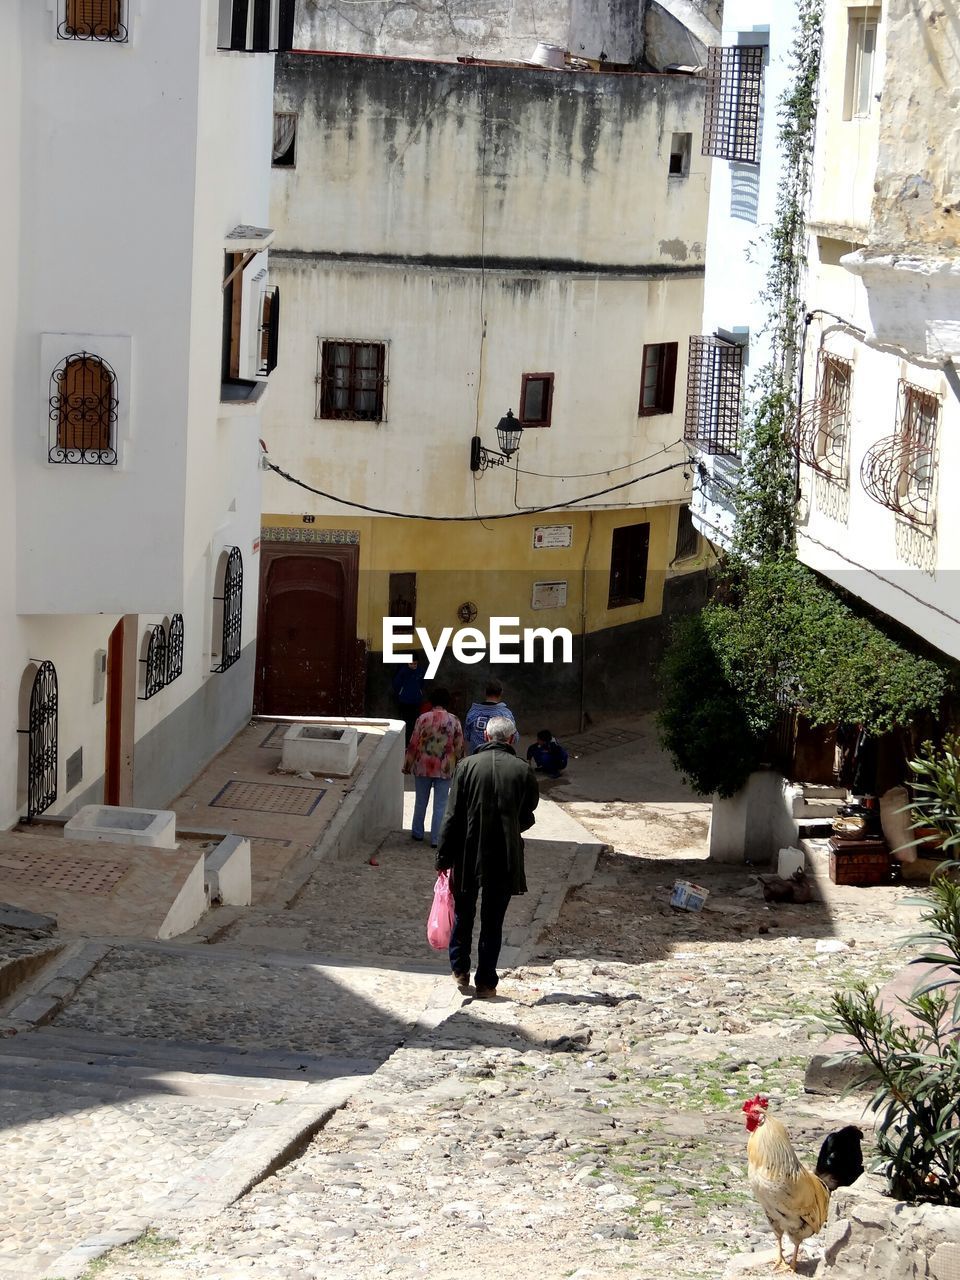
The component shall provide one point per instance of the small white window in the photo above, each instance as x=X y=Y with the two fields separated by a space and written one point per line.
x=861 y=63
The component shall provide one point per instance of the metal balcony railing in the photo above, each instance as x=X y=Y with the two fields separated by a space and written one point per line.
x=899 y=471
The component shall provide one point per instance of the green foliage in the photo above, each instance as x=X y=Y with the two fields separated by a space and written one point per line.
x=936 y=790
x=916 y=1068
x=785 y=638
x=915 y=1061
x=702 y=724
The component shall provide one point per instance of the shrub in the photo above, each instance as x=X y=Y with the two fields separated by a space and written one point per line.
x=701 y=719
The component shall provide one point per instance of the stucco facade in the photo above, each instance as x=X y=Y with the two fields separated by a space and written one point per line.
x=480 y=224
x=880 y=516
x=116 y=221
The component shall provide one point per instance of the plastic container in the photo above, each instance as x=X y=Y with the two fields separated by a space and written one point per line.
x=789 y=862
x=688 y=897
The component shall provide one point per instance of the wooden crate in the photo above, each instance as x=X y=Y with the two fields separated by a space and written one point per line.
x=862 y=862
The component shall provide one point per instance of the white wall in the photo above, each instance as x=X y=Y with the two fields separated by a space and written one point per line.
x=743 y=206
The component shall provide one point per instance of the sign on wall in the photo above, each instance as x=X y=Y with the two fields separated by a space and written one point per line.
x=552 y=535
x=549 y=595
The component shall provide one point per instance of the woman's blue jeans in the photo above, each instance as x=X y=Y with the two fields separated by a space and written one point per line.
x=440 y=787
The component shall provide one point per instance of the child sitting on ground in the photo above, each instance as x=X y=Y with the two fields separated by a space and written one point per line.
x=547 y=754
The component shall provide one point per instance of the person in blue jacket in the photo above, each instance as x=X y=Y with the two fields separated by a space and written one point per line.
x=481 y=713
x=547 y=754
x=408 y=691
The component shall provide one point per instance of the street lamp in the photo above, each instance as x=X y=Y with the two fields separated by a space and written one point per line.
x=509 y=431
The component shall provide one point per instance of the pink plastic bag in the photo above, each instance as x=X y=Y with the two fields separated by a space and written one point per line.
x=440 y=920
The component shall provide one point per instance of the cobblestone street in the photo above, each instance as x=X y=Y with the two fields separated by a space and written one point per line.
x=585 y=1123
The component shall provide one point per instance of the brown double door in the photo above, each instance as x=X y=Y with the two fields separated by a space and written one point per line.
x=306 y=639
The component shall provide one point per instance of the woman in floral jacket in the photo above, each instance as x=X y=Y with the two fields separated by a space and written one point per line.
x=436 y=745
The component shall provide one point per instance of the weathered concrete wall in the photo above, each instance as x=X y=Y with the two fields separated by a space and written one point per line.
x=479 y=28
x=869 y=1235
x=916 y=205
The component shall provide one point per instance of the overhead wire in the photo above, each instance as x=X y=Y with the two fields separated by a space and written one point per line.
x=501 y=515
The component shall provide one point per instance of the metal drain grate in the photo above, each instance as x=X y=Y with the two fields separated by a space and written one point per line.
x=53 y=872
x=266 y=797
x=274 y=738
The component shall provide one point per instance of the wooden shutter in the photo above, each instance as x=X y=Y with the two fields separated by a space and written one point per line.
x=85 y=400
x=97 y=18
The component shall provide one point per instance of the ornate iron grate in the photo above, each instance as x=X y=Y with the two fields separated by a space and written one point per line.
x=175 y=648
x=731 y=120
x=232 y=604
x=899 y=471
x=83 y=410
x=42 y=741
x=155 y=663
x=92 y=20
x=714 y=377
x=823 y=424
x=51 y=871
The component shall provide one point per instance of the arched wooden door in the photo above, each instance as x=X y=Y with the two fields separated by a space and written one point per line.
x=307 y=633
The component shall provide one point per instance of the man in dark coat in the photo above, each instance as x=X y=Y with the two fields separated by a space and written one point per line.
x=492 y=799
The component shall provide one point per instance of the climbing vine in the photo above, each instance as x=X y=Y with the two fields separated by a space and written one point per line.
x=766 y=498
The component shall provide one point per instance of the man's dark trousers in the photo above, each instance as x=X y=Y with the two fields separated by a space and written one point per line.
x=494 y=900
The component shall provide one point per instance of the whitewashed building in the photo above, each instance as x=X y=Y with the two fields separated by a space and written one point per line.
x=748 y=74
x=139 y=329
x=879 y=437
x=456 y=239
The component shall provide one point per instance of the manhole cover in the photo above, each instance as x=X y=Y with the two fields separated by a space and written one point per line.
x=267 y=797
x=53 y=872
x=274 y=738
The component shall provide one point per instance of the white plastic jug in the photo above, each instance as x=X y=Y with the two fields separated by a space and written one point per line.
x=789 y=862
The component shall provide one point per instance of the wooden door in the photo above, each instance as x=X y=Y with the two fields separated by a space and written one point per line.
x=112 y=763
x=307 y=634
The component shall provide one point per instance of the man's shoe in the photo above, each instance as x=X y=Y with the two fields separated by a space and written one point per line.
x=463 y=982
x=486 y=993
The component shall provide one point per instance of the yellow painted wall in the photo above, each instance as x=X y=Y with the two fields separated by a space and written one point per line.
x=455 y=563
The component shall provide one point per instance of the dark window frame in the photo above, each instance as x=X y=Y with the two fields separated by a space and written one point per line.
x=629 y=560
x=688 y=535
x=666 y=378
x=547 y=415
x=354 y=386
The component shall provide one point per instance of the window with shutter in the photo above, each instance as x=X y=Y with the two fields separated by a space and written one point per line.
x=83 y=410
x=351 y=377
x=93 y=20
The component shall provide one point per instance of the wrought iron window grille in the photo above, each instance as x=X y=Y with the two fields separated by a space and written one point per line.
x=731 y=121
x=351 y=380
x=714 y=381
x=155 y=663
x=175 y=648
x=899 y=471
x=41 y=734
x=101 y=20
x=232 y=604
x=823 y=424
x=83 y=411
x=269 y=331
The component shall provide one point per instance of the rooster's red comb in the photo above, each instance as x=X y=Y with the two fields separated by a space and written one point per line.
x=757 y=1103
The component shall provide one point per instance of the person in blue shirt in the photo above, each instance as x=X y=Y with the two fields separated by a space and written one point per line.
x=547 y=754
x=408 y=691
x=481 y=713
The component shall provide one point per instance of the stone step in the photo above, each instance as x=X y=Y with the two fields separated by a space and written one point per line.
x=805 y=807
x=817 y=791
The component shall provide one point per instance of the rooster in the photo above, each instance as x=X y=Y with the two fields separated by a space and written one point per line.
x=794 y=1199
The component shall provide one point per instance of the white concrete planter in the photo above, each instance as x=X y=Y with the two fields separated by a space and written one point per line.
x=320 y=748
x=152 y=828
